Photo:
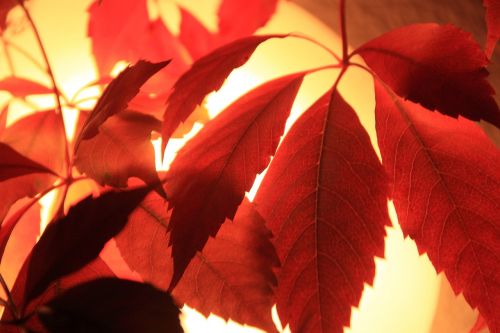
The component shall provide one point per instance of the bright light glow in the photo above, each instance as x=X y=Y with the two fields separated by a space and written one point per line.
x=404 y=294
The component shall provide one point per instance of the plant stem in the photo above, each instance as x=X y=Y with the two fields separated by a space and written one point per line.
x=343 y=32
x=57 y=94
x=324 y=47
x=10 y=300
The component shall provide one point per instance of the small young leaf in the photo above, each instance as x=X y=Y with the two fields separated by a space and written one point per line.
x=120 y=150
x=74 y=240
x=206 y=75
x=438 y=66
x=111 y=305
x=13 y=164
x=325 y=200
x=493 y=23
x=20 y=87
x=208 y=179
x=257 y=13
x=117 y=95
x=445 y=179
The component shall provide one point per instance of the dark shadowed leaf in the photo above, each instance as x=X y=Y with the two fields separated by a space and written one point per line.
x=231 y=278
x=39 y=137
x=74 y=240
x=20 y=87
x=13 y=164
x=446 y=180
x=117 y=95
x=208 y=179
x=438 y=66
x=325 y=200
x=493 y=23
x=206 y=75
x=120 y=150
x=111 y=305
x=257 y=13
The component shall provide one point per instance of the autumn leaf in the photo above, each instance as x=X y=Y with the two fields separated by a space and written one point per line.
x=121 y=30
x=117 y=95
x=208 y=179
x=445 y=187
x=13 y=164
x=120 y=150
x=37 y=137
x=195 y=37
x=206 y=75
x=438 y=66
x=324 y=198
x=4 y=114
x=233 y=276
x=20 y=87
x=111 y=305
x=493 y=23
x=74 y=240
x=257 y=13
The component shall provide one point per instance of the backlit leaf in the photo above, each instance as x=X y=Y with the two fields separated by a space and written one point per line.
x=120 y=150
x=206 y=75
x=324 y=198
x=13 y=164
x=20 y=87
x=117 y=95
x=438 y=66
x=446 y=180
x=208 y=179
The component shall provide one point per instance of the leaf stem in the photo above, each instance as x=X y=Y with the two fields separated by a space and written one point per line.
x=57 y=94
x=343 y=32
x=10 y=300
x=314 y=41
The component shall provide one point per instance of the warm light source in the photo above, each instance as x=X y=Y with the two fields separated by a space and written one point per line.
x=404 y=295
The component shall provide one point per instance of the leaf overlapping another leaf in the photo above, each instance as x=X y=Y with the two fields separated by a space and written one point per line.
x=445 y=179
x=207 y=74
x=438 y=66
x=324 y=198
x=232 y=277
x=208 y=179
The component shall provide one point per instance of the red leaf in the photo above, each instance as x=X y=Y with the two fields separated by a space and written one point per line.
x=111 y=305
x=493 y=23
x=39 y=137
x=122 y=30
x=206 y=75
x=71 y=242
x=117 y=95
x=122 y=149
x=4 y=114
x=256 y=15
x=231 y=278
x=208 y=179
x=14 y=164
x=20 y=87
x=195 y=37
x=324 y=198
x=440 y=67
x=233 y=275
x=446 y=180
